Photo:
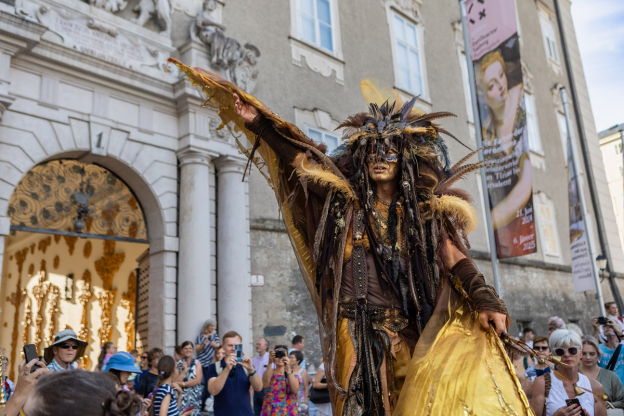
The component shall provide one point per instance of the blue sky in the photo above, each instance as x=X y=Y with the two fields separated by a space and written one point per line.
x=599 y=28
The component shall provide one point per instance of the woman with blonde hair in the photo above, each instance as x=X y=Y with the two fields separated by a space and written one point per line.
x=551 y=391
x=610 y=381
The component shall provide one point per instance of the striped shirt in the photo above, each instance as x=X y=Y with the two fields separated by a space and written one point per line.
x=206 y=355
x=162 y=392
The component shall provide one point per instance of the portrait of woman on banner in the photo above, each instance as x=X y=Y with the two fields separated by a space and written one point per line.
x=505 y=136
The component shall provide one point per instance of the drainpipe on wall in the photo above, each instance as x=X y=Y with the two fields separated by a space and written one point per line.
x=602 y=235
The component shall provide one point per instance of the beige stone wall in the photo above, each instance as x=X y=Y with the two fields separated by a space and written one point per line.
x=70 y=311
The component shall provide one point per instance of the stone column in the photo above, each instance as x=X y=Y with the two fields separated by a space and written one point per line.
x=233 y=263
x=193 y=301
x=5 y=229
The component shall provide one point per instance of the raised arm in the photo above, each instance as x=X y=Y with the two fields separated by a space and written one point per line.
x=262 y=127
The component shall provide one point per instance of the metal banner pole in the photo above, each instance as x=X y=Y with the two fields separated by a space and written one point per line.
x=477 y=124
x=579 y=187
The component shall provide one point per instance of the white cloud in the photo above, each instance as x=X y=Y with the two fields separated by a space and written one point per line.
x=599 y=28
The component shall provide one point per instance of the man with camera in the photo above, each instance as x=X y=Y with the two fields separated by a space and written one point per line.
x=229 y=379
x=601 y=322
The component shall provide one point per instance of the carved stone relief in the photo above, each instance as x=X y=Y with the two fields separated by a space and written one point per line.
x=86 y=33
x=410 y=7
x=237 y=61
x=159 y=10
x=109 y=5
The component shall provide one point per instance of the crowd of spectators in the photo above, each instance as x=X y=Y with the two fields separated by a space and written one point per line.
x=212 y=375
x=572 y=375
x=575 y=370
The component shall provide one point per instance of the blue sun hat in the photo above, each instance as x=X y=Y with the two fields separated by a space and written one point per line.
x=121 y=361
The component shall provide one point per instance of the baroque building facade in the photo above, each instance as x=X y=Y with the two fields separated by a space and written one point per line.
x=85 y=90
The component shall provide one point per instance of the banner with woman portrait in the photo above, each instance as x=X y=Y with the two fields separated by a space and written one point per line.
x=495 y=54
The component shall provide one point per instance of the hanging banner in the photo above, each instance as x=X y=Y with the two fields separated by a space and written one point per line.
x=582 y=272
x=495 y=53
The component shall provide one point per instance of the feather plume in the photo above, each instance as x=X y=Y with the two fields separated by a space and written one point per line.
x=441 y=130
x=430 y=117
x=374 y=94
x=397 y=99
x=461 y=172
x=464 y=159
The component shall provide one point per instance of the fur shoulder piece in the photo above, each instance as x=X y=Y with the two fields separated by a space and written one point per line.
x=458 y=210
x=317 y=173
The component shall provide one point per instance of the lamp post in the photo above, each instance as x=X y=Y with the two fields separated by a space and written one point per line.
x=601 y=262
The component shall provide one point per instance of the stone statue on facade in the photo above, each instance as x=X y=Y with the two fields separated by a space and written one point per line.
x=160 y=10
x=109 y=5
x=238 y=61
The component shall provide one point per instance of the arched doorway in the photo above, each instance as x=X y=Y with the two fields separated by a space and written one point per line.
x=75 y=259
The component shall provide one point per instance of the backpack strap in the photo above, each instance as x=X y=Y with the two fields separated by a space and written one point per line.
x=614 y=358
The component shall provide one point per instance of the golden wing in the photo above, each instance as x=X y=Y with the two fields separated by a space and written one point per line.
x=219 y=95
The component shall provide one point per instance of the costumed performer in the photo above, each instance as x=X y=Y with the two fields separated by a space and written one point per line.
x=380 y=236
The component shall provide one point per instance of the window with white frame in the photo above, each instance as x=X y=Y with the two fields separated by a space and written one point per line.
x=535 y=142
x=618 y=148
x=550 y=43
x=547 y=226
x=315 y=23
x=407 y=57
x=331 y=140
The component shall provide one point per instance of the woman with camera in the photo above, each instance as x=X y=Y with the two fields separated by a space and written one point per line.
x=280 y=384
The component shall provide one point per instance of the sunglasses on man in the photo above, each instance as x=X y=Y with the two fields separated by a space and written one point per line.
x=540 y=348
x=67 y=346
x=559 y=352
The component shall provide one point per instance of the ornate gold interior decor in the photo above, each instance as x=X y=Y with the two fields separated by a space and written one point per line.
x=40 y=292
x=71 y=243
x=27 y=322
x=31 y=269
x=54 y=297
x=32 y=248
x=57 y=261
x=16 y=299
x=87 y=249
x=43 y=244
x=109 y=264
x=84 y=296
x=128 y=301
x=9 y=275
x=57 y=238
x=47 y=198
x=20 y=258
x=106 y=298
x=43 y=266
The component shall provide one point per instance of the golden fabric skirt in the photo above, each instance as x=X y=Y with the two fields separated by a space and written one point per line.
x=460 y=369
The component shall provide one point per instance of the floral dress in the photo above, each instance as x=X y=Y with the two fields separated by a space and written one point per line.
x=191 y=396
x=278 y=399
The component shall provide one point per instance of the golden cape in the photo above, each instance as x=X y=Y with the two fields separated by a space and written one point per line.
x=457 y=367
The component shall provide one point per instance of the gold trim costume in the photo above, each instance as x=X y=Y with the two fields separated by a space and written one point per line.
x=402 y=334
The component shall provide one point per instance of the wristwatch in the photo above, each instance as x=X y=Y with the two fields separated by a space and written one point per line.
x=288 y=372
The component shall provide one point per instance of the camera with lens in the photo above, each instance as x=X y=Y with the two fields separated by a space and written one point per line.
x=602 y=320
x=280 y=354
